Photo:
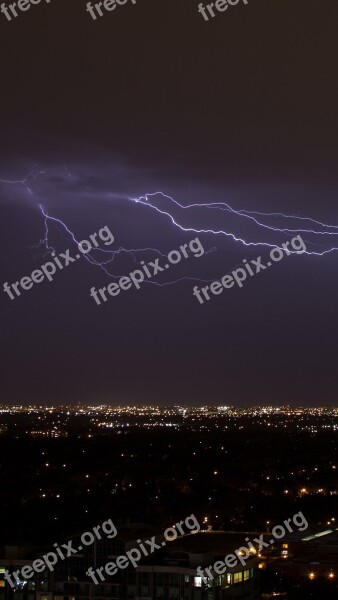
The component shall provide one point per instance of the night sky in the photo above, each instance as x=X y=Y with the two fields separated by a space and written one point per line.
x=242 y=110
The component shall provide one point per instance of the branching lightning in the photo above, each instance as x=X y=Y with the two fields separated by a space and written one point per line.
x=25 y=182
x=170 y=209
x=144 y=200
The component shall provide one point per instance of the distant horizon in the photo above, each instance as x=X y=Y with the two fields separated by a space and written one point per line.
x=178 y=406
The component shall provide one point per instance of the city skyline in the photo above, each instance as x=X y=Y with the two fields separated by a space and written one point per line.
x=168 y=300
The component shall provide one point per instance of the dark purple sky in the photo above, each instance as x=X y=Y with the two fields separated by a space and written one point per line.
x=242 y=110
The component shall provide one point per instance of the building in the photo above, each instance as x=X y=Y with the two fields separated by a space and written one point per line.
x=169 y=573
x=310 y=556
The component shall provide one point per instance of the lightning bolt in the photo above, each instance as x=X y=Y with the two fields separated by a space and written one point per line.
x=97 y=257
x=104 y=258
x=25 y=182
x=109 y=255
x=146 y=200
